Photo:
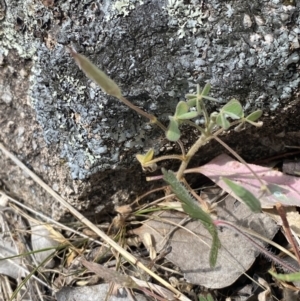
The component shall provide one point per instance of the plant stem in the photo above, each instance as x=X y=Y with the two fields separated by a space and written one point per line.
x=199 y=128
x=203 y=139
x=204 y=205
x=268 y=254
x=151 y=117
x=287 y=230
x=166 y=157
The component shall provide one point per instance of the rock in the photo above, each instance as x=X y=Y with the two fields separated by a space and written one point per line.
x=82 y=141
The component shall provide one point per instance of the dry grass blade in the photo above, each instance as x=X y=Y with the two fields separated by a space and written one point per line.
x=5 y=287
x=16 y=258
x=28 y=277
x=89 y=224
x=154 y=287
x=46 y=218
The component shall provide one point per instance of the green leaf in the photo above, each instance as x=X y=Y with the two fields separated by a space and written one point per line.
x=286 y=277
x=95 y=74
x=190 y=96
x=222 y=121
x=211 y=98
x=192 y=102
x=206 y=89
x=181 y=108
x=173 y=132
x=192 y=99
x=207 y=298
x=182 y=112
x=191 y=207
x=233 y=109
x=248 y=198
x=188 y=115
x=254 y=115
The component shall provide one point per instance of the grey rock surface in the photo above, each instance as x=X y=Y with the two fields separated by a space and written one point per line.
x=92 y=293
x=156 y=51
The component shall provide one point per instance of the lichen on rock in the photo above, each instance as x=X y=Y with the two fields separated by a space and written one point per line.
x=156 y=51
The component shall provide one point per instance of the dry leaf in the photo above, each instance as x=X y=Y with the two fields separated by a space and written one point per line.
x=191 y=252
x=42 y=238
x=124 y=210
x=70 y=257
x=147 y=239
x=266 y=294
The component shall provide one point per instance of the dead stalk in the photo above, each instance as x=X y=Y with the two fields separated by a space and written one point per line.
x=287 y=230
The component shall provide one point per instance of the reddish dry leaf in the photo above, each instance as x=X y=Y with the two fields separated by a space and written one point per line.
x=284 y=188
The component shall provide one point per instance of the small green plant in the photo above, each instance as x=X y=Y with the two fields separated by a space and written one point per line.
x=191 y=207
x=286 y=277
x=206 y=298
x=215 y=124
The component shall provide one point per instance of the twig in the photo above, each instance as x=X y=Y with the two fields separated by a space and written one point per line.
x=287 y=230
x=265 y=252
